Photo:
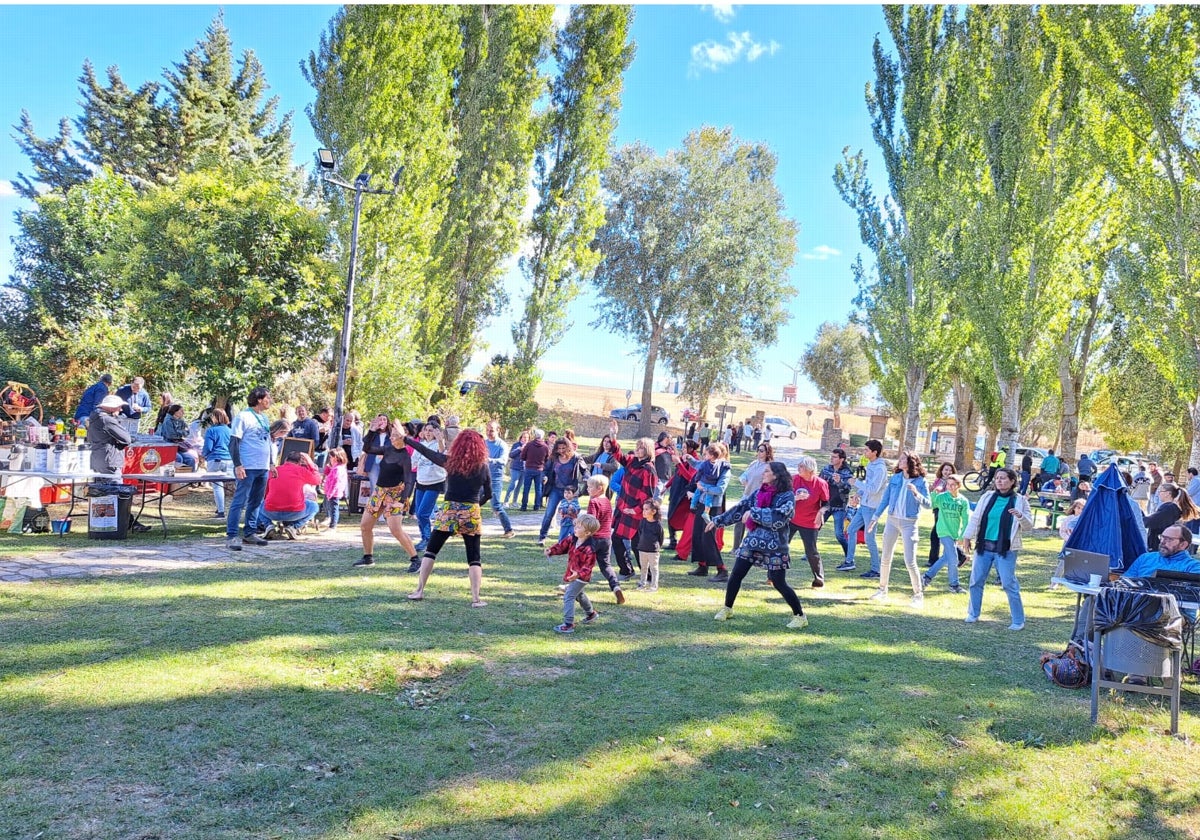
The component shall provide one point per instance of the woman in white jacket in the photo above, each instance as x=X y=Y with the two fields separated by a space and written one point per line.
x=995 y=528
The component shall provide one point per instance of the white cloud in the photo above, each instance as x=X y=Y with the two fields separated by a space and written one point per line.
x=822 y=252
x=562 y=12
x=7 y=190
x=711 y=55
x=721 y=11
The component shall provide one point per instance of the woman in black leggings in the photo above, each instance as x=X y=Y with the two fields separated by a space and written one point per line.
x=767 y=516
x=468 y=485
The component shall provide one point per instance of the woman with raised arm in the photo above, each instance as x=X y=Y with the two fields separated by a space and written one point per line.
x=468 y=485
x=391 y=495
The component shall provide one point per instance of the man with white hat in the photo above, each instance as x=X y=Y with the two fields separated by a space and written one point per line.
x=108 y=436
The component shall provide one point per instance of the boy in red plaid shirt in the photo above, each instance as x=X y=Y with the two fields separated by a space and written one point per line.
x=581 y=557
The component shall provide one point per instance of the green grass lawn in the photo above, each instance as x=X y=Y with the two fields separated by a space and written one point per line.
x=300 y=698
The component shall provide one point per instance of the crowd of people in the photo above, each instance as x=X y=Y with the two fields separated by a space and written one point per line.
x=628 y=509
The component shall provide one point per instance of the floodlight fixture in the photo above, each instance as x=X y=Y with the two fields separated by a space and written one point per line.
x=325 y=159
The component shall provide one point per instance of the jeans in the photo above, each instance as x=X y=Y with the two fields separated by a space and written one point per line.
x=1024 y=482
x=839 y=528
x=899 y=528
x=333 y=510
x=556 y=496
x=218 y=486
x=247 y=497
x=497 y=504
x=533 y=477
x=861 y=518
x=574 y=592
x=565 y=529
x=188 y=459
x=514 y=485
x=424 y=502
x=295 y=518
x=1006 y=565
x=948 y=558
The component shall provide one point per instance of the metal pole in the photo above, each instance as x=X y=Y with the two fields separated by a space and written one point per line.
x=339 y=403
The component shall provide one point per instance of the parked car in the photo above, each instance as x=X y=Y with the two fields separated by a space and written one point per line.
x=1101 y=454
x=781 y=427
x=658 y=414
x=689 y=415
x=1122 y=462
x=467 y=386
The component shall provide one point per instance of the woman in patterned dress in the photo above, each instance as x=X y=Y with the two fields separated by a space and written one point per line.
x=767 y=516
x=468 y=485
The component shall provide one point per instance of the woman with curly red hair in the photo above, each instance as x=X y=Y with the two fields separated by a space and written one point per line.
x=468 y=485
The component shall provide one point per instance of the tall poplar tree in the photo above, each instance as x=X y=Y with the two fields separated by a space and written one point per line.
x=495 y=131
x=591 y=52
x=903 y=297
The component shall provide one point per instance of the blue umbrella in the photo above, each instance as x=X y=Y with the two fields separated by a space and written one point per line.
x=1111 y=522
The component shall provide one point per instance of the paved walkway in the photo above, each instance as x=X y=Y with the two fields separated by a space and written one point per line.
x=136 y=556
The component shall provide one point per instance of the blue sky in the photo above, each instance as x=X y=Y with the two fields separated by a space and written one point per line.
x=790 y=76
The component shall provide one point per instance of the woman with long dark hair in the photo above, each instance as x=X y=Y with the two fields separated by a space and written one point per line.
x=902 y=501
x=767 y=516
x=1174 y=506
x=390 y=497
x=995 y=528
x=468 y=485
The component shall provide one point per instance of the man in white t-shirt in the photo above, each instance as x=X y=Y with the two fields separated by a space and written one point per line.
x=251 y=452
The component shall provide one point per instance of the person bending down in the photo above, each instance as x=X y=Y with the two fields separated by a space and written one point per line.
x=468 y=485
x=766 y=545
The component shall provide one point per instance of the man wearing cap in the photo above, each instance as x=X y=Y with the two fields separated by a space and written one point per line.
x=92 y=397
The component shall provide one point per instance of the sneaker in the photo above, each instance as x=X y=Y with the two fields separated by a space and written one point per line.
x=723 y=614
x=817 y=584
x=509 y=534
x=925 y=581
x=290 y=532
x=592 y=616
x=620 y=596
x=879 y=595
x=798 y=622
x=720 y=577
x=1015 y=626
x=562 y=587
x=869 y=575
x=414 y=564
x=629 y=576
x=971 y=619
x=917 y=602
x=139 y=528
x=699 y=571
x=541 y=541
x=218 y=515
x=565 y=628
x=254 y=540
x=846 y=566
x=420 y=546
x=233 y=544
x=367 y=560
x=958 y=590
x=641 y=587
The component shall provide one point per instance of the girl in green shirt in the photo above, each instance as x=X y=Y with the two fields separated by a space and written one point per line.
x=953 y=512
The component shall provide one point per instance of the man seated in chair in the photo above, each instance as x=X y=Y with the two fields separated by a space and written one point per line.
x=1172 y=555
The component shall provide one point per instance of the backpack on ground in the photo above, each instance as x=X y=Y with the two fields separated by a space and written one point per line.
x=1069 y=669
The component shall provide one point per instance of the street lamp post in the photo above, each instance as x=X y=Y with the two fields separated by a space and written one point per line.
x=325 y=159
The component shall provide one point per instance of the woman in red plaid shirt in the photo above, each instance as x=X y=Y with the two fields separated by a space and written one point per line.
x=637 y=486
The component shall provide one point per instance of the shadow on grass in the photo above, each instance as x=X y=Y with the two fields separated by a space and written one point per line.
x=292 y=697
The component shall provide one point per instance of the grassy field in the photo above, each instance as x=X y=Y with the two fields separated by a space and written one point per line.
x=300 y=698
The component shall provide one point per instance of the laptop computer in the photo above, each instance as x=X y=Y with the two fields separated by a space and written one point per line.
x=1079 y=565
x=1181 y=577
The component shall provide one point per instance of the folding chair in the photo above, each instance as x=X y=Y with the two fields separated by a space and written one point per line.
x=1120 y=649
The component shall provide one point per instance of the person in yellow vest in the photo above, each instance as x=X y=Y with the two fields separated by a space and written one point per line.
x=995 y=462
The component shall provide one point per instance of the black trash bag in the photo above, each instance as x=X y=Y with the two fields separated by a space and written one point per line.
x=1153 y=616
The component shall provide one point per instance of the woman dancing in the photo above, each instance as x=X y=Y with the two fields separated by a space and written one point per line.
x=468 y=485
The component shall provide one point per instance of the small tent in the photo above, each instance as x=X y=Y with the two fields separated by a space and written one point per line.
x=1111 y=522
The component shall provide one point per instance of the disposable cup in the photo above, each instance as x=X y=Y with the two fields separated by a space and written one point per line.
x=1094 y=580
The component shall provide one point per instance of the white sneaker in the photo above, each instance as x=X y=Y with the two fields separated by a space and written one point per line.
x=971 y=619
x=1015 y=626
x=723 y=614
x=917 y=602
x=880 y=595
x=234 y=543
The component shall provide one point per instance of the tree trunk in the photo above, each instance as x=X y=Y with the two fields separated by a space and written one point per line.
x=645 y=415
x=1194 y=410
x=964 y=431
x=837 y=412
x=1071 y=382
x=1010 y=414
x=914 y=387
